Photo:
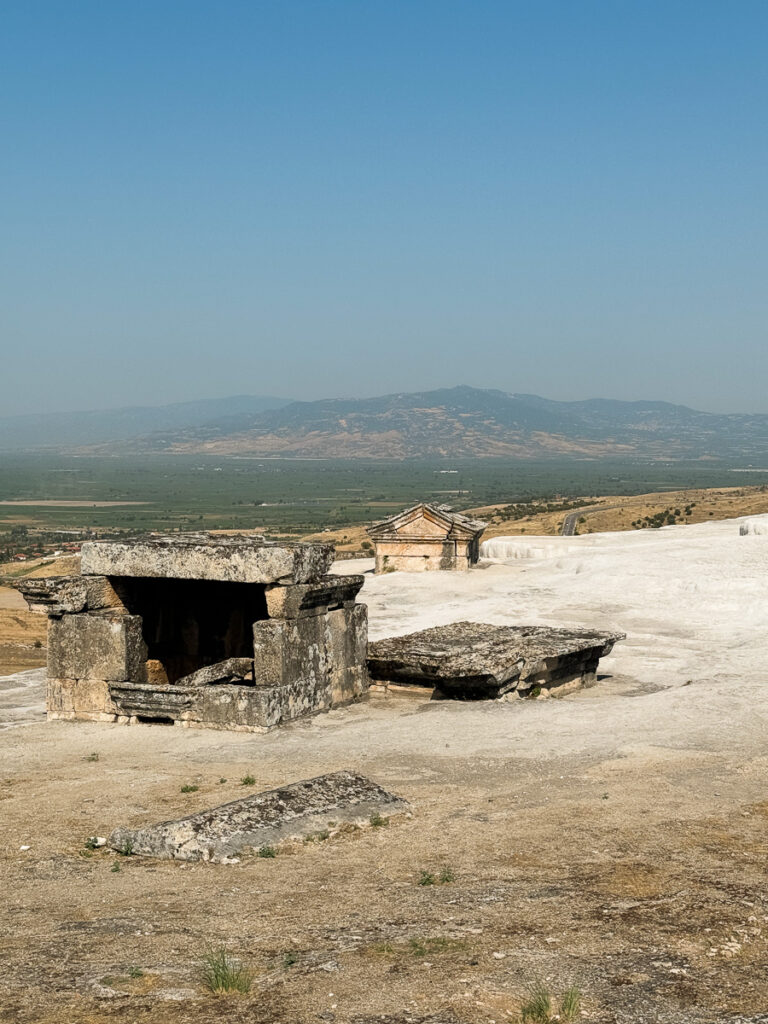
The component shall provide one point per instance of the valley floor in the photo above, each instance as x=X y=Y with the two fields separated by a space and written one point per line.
x=615 y=839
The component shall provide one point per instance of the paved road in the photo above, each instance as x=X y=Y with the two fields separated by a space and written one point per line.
x=570 y=521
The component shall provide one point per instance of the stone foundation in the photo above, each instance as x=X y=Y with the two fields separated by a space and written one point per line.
x=218 y=632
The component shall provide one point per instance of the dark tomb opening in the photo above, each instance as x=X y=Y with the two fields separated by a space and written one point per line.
x=188 y=624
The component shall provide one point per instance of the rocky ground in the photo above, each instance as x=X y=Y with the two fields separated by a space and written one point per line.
x=614 y=840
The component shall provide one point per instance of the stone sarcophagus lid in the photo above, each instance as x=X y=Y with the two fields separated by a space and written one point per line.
x=480 y=661
x=226 y=632
x=426 y=537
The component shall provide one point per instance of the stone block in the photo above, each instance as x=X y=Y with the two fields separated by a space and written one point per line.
x=264 y=819
x=148 y=700
x=155 y=672
x=100 y=594
x=260 y=708
x=471 y=660
x=54 y=595
x=347 y=640
x=67 y=595
x=96 y=646
x=241 y=708
x=78 y=698
x=290 y=649
x=299 y=599
x=235 y=559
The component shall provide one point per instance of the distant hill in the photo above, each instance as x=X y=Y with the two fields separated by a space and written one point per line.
x=67 y=429
x=464 y=421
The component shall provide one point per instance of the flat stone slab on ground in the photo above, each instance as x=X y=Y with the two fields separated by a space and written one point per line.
x=475 y=660
x=264 y=819
x=235 y=558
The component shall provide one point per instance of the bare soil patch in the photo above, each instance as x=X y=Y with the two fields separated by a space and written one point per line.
x=572 y=868
x=615 y=839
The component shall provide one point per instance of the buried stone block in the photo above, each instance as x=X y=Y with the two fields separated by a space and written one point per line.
x=264 y=819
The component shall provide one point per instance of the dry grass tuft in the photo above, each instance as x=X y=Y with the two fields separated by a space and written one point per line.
x=221 y=974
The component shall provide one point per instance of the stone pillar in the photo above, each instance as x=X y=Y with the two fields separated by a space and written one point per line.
x=313 y=645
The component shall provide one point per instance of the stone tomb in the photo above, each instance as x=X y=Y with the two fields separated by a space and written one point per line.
x=477 y=661
x=426 y=537
x=226 y=632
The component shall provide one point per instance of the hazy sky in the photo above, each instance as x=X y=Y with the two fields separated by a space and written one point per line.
x=350 y=197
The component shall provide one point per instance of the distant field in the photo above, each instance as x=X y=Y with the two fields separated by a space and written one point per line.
x=292 y=497
x=64 y=503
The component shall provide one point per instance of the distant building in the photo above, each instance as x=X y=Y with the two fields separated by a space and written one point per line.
x=426 y=537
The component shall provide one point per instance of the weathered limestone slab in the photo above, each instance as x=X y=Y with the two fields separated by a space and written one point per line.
x=99 y=646
x=265 y=819
x=228 y=671
x=238 y=707
x=61 y=595
x=471 y=660
x=231 y=558
x=150 y=701
x=300 y=599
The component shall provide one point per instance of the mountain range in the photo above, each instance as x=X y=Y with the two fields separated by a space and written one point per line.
x=70 y=429
x=446 y=423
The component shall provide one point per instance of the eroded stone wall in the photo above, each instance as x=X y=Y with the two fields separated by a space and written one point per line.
x=422 y=555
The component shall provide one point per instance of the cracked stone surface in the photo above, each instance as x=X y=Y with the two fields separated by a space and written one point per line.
x=477 y=660
x=264 y=819
x=239 y=558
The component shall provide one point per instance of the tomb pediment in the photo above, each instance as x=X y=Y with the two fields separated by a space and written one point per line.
x=427 y=521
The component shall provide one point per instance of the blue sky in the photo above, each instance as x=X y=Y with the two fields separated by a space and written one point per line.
x=351 y=197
